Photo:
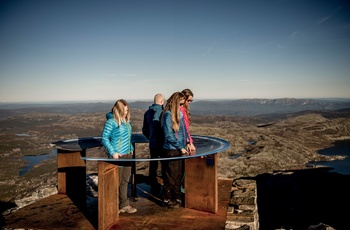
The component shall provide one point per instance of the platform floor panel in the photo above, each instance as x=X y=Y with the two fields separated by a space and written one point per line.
x=53 y=212
x=59 y=212
x=151 y=215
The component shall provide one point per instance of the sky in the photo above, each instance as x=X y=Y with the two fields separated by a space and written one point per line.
x=82 y=50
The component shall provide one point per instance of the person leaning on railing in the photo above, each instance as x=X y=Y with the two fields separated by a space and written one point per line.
x=175 y=137
x=116 y=138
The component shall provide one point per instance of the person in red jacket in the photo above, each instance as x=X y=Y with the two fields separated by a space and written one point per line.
x=185 y=110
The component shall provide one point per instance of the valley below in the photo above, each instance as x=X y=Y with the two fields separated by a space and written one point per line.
x=259 y=145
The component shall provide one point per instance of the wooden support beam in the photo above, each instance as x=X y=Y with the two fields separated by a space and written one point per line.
x=71 y=174
x=201 y=183
x=108 y=194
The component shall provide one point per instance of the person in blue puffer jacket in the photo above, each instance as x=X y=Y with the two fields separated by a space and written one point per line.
x=116 y=138
x=175 y=135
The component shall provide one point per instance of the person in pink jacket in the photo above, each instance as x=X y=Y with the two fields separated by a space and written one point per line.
x=185 y=110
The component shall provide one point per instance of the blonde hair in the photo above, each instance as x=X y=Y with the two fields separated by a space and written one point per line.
x=173 y=104
x=118 y=111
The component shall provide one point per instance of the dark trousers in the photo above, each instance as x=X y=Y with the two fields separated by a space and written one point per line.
x=153 y=165
x=172 y=175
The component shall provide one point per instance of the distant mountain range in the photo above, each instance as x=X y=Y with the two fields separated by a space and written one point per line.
x=236 y=107
x=253 y=107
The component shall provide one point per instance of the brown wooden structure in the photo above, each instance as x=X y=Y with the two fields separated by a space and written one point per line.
x=201 y=182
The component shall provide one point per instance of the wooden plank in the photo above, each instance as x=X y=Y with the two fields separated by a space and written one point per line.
x=70 y=159
x=201 y=183
x=61 y=177
x=108 y=194
x=71 y=175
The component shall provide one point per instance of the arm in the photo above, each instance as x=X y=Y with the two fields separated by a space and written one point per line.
x=131 y=146
x=106 y=137
x=187 y=124
x=189 y=140
x=145 y=126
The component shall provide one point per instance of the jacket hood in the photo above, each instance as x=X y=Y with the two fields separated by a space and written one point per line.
x=109 y=115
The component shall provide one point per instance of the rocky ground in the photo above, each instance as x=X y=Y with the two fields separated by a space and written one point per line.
x=259 y=146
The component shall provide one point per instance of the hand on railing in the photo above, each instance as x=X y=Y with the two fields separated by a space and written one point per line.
x=191 y=149
x=184 y=151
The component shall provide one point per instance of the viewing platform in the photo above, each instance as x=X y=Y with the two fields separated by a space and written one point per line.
x=206 y=199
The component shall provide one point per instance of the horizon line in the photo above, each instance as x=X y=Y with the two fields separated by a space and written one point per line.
x=151 y=99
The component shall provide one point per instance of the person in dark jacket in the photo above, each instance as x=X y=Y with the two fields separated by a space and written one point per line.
x=116 y=138
x=153 y=132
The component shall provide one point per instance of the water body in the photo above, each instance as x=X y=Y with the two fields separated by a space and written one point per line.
x=23 y=135
x=34 y=160
x=340 y=166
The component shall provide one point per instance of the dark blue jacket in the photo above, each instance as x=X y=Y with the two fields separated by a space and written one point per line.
x=151 y=126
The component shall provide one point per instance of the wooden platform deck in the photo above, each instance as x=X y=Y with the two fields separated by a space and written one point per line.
x=59 y=212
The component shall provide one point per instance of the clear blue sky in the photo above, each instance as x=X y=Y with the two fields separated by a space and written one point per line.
x=64 y=50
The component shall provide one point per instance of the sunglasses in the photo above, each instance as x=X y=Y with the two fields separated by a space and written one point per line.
x=189 y=100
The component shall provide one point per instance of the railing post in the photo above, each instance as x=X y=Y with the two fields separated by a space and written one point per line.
x=108 y=194
x=201 y=183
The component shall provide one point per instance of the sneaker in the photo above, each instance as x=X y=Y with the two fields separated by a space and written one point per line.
x=128 y=209
x=170 y=204
x=166 y=203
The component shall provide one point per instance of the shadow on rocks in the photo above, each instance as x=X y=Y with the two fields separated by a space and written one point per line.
x=303 y=198
x=4 y=206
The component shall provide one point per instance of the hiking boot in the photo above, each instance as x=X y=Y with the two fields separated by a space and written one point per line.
x=128 y=209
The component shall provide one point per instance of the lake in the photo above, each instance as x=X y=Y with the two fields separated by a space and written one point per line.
x=339 y=166
x=34 y=160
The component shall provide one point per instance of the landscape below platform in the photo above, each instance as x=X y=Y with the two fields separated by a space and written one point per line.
x=263 y=144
